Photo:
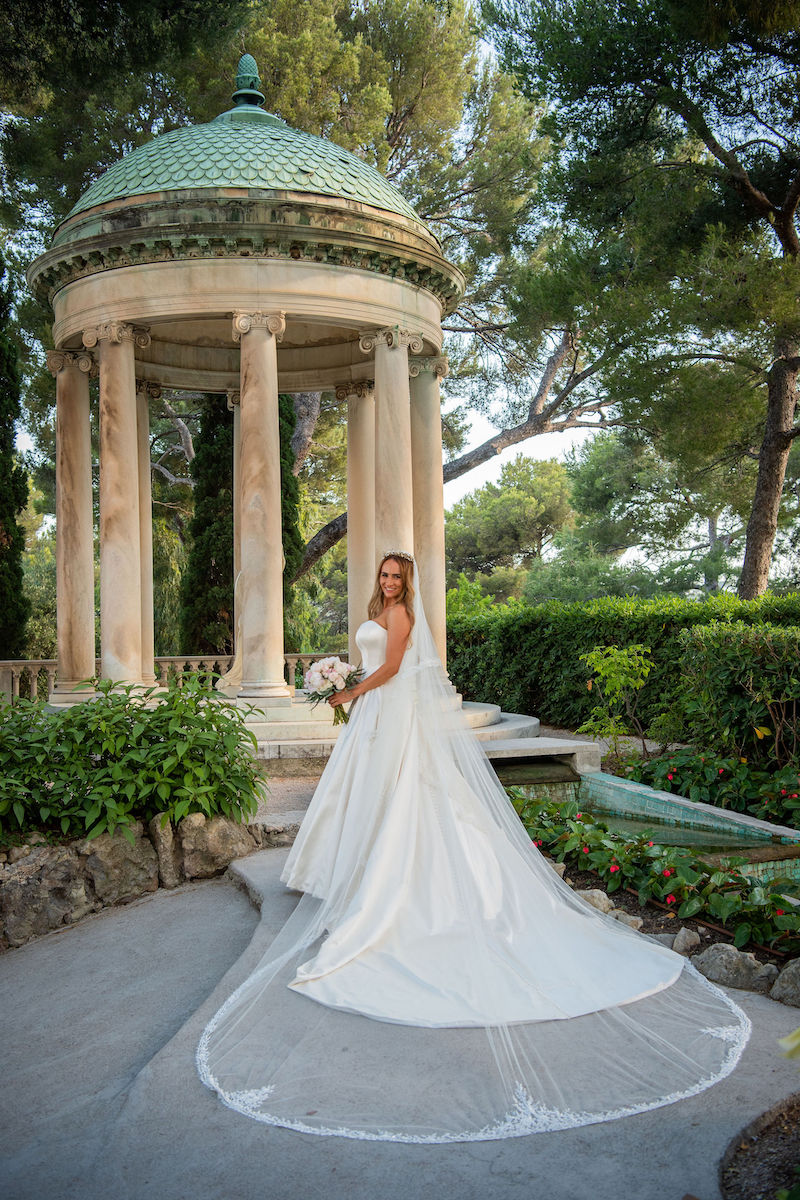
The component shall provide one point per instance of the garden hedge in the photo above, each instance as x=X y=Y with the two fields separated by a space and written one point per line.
x=527 y=658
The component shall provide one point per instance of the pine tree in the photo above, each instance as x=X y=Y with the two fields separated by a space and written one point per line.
x=14 y=607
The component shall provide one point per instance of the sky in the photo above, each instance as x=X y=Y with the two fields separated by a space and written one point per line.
x=546 y=445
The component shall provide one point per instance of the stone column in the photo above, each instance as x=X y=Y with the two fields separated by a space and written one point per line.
x=426 y=451
x=261 y=581
x=143 y=393
x=120 y=551
x=74 y=523
x=361 y=562
x=235 y=407
x=394 y=505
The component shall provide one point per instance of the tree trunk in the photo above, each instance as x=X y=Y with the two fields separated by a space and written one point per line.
x=763 y=523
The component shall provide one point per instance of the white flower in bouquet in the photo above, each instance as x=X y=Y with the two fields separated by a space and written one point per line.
x=327 y=676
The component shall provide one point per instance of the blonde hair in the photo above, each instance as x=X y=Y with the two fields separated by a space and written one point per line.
x=406 y=565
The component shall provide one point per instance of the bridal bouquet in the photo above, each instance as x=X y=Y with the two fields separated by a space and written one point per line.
x=326 y=677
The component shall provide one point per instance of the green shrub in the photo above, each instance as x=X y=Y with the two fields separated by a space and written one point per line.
x=124 y=756
x=740 y=690
x=758 y=912
x=528 y=659
x=725 y=782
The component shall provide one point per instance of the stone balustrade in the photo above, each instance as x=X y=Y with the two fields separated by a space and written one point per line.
x=35 y=678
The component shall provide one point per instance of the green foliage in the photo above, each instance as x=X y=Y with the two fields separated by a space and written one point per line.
x=39 y=567
x=620 y=673
x=741 y=690
x=14 y=605
x=509 y=522
x=466 y=599
x=758 y=912
x=528 y=659
x=207 y=583
x=124 y=756
x=579 y=572
x=732 y=782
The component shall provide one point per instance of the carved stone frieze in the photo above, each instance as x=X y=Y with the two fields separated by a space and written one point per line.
x=393 y=337
x=243 y=322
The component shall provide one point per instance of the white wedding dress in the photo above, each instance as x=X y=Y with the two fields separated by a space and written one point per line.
x=438 y=981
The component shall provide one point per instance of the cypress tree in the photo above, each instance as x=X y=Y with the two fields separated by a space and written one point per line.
x=14 y=606
x=207 y=583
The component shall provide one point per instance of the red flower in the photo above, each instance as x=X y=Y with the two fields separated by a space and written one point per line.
x=667 y=873
x=721 y=771
x=613 y=869
x=793 y=796
x=778 y=912
x=650 y=843
x=670 y=899
x=585 y=849
x=578 y=816
x=670 y=776
x=538 y=842
x=783 y=791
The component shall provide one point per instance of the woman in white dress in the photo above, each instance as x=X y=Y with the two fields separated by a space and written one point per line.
x=437 y=980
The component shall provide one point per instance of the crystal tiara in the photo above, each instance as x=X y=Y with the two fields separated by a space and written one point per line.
x=397 y=554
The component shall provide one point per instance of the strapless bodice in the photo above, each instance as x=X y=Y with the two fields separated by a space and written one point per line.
x=371 y=641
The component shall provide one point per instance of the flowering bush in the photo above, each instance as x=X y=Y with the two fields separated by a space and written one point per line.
x=670 y=874
x=726 y=783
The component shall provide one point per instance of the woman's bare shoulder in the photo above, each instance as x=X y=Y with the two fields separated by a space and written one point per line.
x=397 y=618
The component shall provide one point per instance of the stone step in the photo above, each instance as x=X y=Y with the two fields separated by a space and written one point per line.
x=298 y=710
x=509 y=725
x=583 y=757
x=294 y=731
x=481 y=715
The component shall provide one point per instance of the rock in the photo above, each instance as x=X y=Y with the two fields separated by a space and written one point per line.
x=161 y=836
x=597 y=899
x=686 y=940
x=118 y=869
x=735 y=968
x=45 y=891
x=786 y=987
x=209 y=846
x=666 y=939
x=559 y=868
x=37 y=839
x=18 y=852
x=626 y=919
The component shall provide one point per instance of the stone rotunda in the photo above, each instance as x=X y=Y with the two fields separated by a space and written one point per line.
x=242 y=258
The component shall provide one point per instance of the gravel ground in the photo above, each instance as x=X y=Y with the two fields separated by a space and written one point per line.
x=763 y=1158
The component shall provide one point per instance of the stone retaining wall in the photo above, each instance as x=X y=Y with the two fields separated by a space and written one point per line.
x=44 y=887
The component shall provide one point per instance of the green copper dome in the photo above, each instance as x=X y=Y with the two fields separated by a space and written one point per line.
x=244 y=148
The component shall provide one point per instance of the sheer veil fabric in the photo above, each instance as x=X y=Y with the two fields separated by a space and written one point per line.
x=437 y=981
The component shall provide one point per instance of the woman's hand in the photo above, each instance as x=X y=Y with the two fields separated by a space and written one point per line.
x=343 y=697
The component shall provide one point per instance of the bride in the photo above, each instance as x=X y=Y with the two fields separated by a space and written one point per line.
x=437 y=981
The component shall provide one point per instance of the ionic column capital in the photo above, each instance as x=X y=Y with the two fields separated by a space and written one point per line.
x=364 y=387
x=57 y=360
x=243 y=322
x=432 y=364
x=116 y=332
x=145 y=388
x=234 y=398
x=393 y=337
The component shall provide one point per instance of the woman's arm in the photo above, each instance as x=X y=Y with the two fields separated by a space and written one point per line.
x=398 y=628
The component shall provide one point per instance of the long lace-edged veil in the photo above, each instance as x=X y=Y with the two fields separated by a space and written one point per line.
x=500 y=1004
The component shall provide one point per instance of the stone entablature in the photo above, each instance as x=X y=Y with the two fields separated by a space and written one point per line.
x=193 y=226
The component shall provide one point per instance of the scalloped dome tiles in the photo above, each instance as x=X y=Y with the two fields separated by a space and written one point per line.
x=238 y=151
